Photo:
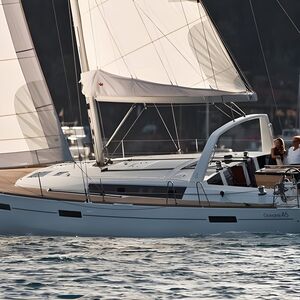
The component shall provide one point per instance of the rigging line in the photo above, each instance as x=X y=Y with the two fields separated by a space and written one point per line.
x=144 y=108
x=31 y=138
x=11 y=3
x=87 y=191
x=152 y=42
x=16 y=58
x=98 y=104
x=120 y=125
x=265 y=61
x=75 y=64
x=67 y=84
x=77 y=91
x=293 y=23
x=63 y=61
x=82 y=170
x=78 y=150
x=164 y=123
x=226 y=51
x=209 y=77
x=222 y=111
x=84 y=176
x=166 y=36
x=232 y=109
x=38 y=110
x=175 y=126
x=221 y=43
x=238 y=108
x=113 y=39
x=192 y=38
x=196 y=83
x=93 y=34
x=207 y=46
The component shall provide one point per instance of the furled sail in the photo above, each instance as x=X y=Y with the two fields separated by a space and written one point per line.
x=156 y=51
x=30 y=132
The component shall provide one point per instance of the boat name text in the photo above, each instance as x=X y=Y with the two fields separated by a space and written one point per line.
x=283 y=214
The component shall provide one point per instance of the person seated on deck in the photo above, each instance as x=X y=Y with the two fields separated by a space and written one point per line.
x=278 y=152
x=293 y=155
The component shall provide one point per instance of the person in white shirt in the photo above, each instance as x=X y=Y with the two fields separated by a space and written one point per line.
x=293 y=155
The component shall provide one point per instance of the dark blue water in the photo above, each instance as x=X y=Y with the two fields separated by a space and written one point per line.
x=231 y=266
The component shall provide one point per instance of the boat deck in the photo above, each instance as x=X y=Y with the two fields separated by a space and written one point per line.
x=8 y=177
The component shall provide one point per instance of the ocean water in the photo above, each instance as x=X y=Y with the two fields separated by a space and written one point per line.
x=227 y=266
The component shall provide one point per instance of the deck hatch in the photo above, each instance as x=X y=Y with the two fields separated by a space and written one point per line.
x=39 y=174
x=222 y=219
x=70 y=213
x=5 y=206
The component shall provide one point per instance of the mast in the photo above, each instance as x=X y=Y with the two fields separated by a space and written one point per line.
x=93 y=114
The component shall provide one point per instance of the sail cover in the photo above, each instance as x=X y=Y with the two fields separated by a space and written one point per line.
x=156 y=51
x=30 y=133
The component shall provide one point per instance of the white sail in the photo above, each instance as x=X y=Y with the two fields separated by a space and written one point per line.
x=30 y=132
x=156 y=51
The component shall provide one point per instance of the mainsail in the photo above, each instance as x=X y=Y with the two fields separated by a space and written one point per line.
x=30 y=131
x=156 y=51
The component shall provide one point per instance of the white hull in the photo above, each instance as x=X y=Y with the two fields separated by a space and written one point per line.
x=24 y=216
x=151 y=196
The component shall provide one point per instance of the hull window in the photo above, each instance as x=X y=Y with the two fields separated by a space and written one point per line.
x=5 y=206
x=138 y=190
x=70 y=213
x=222 y=219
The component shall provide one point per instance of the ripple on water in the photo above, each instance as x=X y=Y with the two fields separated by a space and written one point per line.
x=229 y=266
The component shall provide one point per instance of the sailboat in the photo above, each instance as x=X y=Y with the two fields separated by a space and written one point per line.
x=148 y=52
